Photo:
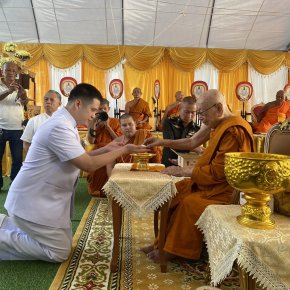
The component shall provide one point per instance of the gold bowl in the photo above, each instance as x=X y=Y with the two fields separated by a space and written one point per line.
x=258 y=175
x=142 y=160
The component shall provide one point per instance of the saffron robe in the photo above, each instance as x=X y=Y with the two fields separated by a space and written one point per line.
x=174 y=112
x=138 y=112
x=208 y=185
x=98 y=178
x=273 y=115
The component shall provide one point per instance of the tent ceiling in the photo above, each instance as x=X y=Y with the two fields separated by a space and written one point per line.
x=241 y=24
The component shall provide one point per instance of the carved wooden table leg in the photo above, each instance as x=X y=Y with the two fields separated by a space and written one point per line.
x=246 y=281
x=117 y=225
x=162 y=235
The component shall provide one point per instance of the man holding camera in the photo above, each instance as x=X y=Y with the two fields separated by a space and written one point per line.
x=102 y=130
x=12 y=98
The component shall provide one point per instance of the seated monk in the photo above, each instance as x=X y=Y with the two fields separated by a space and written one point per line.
x=101 y=133
x=208 y=184
x=133 y=136
x=172 y=110
x=272 y=113
x=139 y=110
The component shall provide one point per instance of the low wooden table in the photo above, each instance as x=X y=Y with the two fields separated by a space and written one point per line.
x=139 y=191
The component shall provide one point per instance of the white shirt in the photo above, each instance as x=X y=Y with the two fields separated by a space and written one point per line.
x=32 y=125
x=11 y=112
x=43 y=188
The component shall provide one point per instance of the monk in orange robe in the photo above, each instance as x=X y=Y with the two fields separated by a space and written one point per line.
x=133 y=136
x=172 y=109
x=139 y=110
x=208 y=184
x=100 y=134
x=272 y=113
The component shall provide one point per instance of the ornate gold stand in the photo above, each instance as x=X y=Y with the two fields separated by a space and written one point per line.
x=256 y=213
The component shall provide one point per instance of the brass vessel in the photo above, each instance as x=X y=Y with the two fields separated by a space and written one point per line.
x=142 y=160
x=258 y=175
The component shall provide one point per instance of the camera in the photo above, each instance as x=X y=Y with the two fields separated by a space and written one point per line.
x=102 y=116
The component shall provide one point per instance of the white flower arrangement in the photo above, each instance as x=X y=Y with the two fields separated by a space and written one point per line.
x=10 y=47
x=6 y=59
x=23 y=55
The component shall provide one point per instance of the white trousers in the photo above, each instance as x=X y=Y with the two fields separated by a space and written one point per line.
x=23 y=240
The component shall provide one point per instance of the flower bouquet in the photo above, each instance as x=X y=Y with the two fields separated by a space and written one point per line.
x=9 y=47
x=22 y=55
x=6 y=59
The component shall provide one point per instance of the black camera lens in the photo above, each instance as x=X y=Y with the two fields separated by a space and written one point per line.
x=102 y=116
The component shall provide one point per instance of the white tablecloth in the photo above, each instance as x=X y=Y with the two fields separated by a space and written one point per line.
x=264 y=254
x=139 y=190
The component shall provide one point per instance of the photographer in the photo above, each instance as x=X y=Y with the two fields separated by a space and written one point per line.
x=102 y=130
x=12 y=98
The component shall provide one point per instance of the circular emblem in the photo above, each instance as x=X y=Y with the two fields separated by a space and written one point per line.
x=157 y=89
x=66 y=84
x=116 y=88
x=244 y=91
x=198 y=88
x=287 y=91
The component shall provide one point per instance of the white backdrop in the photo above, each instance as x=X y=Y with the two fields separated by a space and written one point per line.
x=209 y=74
x=266 y=86
x=116 y=72
x=56 y=74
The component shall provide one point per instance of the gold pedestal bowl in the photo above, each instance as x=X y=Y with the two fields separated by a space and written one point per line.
x=142 y=160
x=258 y=175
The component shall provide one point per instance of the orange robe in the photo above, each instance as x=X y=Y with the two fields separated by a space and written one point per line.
x=174 y=112
x=208 y=185
x=138 y=139
x=98 y=178
x=273 y=115
x=139 y=111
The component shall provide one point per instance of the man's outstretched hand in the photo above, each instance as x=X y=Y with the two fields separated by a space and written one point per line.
x=131 y=148
x=153 y=141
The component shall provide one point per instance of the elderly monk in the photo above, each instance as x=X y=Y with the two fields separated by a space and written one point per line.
x=139 y=110
x=273 y=112
x=101 y=133
x=172 y=110
x=208 y=184
x=133 y=136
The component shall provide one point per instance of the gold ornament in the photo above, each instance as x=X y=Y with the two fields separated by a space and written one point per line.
x=258 y=175
x=142 y=160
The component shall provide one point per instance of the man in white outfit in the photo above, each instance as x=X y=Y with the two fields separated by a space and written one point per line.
x=39 y=201
x=52 y=101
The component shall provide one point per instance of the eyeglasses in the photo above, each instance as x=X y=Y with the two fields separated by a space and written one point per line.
x=201 y=113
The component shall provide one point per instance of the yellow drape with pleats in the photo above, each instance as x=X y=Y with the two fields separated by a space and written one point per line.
x=227 y=85
x=94 y=76
x=42 y=85
x=144 y=58
x=171 y=80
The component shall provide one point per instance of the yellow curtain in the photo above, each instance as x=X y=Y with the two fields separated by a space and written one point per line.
x=42 y=85
x=144 y=58
x=187 y=59
x=227 y=85
x=94 y=76
x=103 y=57
x=171 y=80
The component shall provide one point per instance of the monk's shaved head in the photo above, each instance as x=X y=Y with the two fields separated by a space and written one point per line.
x=212 y=108
x=212 y=97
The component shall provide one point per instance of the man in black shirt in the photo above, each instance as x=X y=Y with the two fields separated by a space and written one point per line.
x=179 y=127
